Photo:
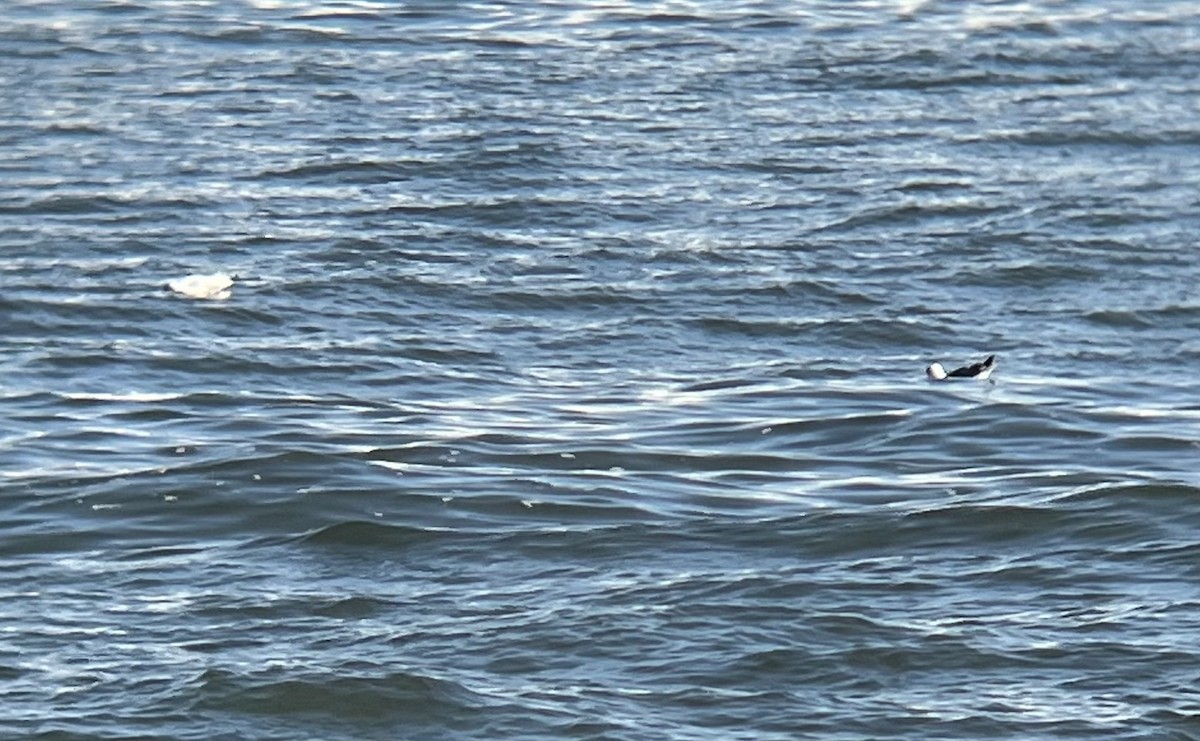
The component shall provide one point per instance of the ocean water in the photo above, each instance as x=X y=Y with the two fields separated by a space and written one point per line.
x=571 y=384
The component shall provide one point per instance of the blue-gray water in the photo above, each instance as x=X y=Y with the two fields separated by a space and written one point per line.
x=572 y=383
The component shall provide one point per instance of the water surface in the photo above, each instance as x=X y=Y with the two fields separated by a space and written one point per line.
x=572 y=381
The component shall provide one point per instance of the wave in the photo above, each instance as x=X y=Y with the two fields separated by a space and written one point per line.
x=371 y=535
x=358 y=693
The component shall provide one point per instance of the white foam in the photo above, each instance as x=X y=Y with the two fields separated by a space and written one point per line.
x=133 y=396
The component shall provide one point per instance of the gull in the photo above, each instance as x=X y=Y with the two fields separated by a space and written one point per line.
x=215 y=286
x=978 y=371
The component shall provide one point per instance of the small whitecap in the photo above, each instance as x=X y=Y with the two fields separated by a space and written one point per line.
x=397 y=467
x=131 y=396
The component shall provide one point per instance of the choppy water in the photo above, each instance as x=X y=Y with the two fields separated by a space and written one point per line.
x=572 y=383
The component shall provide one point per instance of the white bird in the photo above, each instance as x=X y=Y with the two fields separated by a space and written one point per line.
x=215 y=286
x=978 y=371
